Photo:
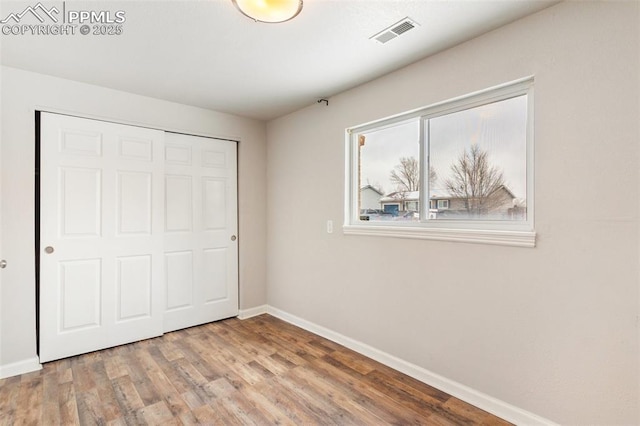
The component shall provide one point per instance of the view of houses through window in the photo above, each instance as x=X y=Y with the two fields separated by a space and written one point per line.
x=390 y=172
x=472 y=163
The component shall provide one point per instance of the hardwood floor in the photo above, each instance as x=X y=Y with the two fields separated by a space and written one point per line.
x=258 y=371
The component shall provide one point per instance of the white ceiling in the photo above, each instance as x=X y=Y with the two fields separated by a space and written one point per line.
x=207 y=54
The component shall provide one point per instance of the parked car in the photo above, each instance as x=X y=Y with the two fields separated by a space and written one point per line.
x=411 y=215
x=374 y=214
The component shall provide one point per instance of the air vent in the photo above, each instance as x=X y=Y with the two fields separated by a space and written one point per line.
x=403 y=27
x=395 y=30
x=386 y=36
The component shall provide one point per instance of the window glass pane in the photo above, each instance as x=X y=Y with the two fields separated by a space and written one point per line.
x=389 y=173
x=479 y=160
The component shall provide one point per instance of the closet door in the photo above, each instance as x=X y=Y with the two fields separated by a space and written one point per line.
x=200 y=243
x=102 y=224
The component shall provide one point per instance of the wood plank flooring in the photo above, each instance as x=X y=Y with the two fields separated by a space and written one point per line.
x=260 y=371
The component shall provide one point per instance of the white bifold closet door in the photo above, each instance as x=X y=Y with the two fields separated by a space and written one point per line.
x=137 y=233
x=200 y=244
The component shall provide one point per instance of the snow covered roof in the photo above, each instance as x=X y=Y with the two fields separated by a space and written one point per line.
x=436 y=194
x=371 y=188
x=404 y=196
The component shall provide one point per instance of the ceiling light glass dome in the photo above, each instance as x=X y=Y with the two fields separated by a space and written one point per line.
x=270 y=11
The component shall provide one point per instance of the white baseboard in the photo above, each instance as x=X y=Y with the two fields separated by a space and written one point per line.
x=252 y=312
x=20 y=367
x=485 y=402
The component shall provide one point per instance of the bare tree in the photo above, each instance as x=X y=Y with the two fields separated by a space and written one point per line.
x=406 y=175
x=474 y=179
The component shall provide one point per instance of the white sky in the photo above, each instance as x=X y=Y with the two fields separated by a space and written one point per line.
x=498 y=128
x=384 y=148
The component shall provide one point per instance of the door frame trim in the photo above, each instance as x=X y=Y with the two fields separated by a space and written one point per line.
x=77 y=114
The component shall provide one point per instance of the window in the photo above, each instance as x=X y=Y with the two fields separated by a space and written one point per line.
x=458 y=170
x=378 y=152
x=443 y=204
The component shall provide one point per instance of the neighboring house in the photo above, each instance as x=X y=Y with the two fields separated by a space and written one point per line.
x=501 y=204
x=397 y=202
x=370 y=198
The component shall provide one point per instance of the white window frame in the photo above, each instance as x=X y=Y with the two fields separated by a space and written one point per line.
x=509 y=233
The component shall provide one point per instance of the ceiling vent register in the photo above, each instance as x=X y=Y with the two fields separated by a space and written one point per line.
x=395 y=30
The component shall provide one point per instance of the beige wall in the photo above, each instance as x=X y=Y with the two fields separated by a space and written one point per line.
x=552 y=330
x=21 y=94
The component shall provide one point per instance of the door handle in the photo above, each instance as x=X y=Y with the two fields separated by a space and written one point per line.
x=233 y=238
x=49 y=250
x=3 y=264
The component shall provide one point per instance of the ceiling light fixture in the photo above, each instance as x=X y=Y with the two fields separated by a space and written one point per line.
x=269 y=11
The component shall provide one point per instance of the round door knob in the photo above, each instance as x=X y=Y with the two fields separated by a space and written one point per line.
x=233 y=238
x=49 y=250
x=3 y=264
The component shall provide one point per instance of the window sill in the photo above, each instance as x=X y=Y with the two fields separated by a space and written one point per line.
x=479 y=236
